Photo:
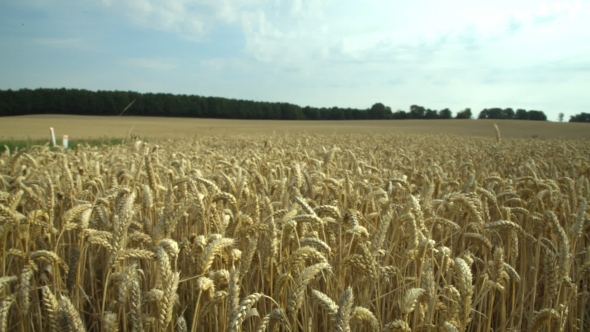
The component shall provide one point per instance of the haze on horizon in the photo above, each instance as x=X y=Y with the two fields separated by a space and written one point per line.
x=323 y=53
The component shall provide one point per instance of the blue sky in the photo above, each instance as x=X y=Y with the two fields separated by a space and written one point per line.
x=454 y=53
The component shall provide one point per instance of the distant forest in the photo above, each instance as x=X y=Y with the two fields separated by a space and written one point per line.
x=84 y=102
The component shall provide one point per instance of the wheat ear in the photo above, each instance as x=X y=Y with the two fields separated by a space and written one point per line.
x=270 y=318
x=51 y=305
x=410 y=298
x=296 y=296
x=397 y=325
x=497 y=130
x=363 y=314
x=209 y=253
x=181 y=325
x=110 y=323
x=68 y=317
x=24 y=288
x=239 y=314
x=4 y=310
x=342 y=318
x=167 y=300
x=465 y=286
x=135 y=303
x=325 y=302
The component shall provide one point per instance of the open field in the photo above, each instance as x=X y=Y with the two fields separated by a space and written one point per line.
x=83 y=127
x=296 y=232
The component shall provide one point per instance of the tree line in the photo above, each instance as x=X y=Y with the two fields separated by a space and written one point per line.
x=582 y=117
x=510 y=114
x=84 y=102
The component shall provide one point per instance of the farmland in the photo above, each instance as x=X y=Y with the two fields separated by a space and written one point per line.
x=214 y=225
x=84 y=127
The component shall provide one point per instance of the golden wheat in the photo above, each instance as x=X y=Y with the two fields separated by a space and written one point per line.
x=382 y=232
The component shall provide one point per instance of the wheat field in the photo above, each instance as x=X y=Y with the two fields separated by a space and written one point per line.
x=84 y=127
x=298 y=232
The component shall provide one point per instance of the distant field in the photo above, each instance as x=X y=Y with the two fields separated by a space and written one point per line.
x=84 y=127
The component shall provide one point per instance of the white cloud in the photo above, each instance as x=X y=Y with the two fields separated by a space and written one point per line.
x=224 y=64
x=176 y=16
x=296 y=7
x=345 y=52
x=152 y=63
x=310 y=30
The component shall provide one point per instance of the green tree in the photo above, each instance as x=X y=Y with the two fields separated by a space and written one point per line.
x=431 y=114
x=582 y=117
x=336 y=114
x=311 y=113
x=417 y=112
x=464 y=114
x=378 y=111
x=492 y=113
x=508 y=113
x=522 y=114
x=445 y=114
x=537 y=115
x=484 y=114
x=399 y=114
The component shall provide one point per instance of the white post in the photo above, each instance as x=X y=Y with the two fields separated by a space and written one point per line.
x=65 y=141
x=52 y=136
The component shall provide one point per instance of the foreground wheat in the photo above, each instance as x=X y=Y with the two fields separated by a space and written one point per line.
x=297 y=233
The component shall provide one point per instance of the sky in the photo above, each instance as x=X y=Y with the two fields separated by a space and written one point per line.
x=453 y=54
